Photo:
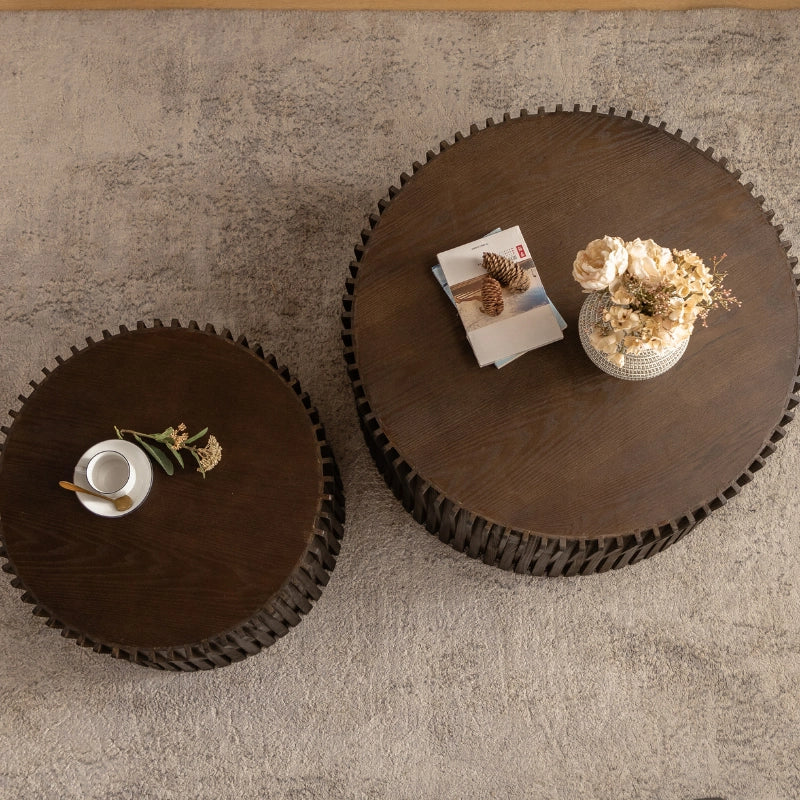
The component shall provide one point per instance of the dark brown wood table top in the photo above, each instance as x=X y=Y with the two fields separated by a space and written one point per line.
x=549 y=465
x=207 y=570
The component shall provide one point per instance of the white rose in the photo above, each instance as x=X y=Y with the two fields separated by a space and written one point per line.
x=648 y=261
x=596 y=267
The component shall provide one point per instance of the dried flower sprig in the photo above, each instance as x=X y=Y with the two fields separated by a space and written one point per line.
x=721 y=297
x=174 y=440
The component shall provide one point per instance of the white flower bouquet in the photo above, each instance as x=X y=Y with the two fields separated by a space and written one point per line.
x=654 y=296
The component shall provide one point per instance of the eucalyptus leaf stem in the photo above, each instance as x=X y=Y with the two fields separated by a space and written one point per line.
x=173 y=440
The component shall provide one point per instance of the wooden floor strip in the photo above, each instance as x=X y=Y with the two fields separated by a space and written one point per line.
x=398 y=5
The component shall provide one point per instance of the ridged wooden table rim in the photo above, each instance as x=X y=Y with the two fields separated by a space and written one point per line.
x=206 y=571
x=549 y=466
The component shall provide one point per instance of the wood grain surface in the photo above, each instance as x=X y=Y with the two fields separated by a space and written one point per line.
x=398 y=5
x=238 y=553
x=549 y=446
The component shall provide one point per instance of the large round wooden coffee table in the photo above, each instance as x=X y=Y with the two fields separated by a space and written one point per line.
x=207 y=570
x=549 y=466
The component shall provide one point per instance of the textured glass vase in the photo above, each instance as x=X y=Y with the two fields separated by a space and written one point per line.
x=639 y=367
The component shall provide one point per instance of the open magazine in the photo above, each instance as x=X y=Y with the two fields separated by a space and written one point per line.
x=527 y=318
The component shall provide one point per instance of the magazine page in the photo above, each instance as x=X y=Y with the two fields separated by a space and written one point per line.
x=517 y=319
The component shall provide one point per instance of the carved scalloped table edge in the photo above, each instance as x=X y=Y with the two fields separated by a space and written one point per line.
x=493 y=543
x=292 y=600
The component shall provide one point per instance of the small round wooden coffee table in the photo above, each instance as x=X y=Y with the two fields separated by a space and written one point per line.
x=549 y=466
x=206 y=571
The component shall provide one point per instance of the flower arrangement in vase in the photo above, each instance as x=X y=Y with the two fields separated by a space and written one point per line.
x=644 y=301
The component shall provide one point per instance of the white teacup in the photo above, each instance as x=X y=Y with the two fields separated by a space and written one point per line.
x=109 y=472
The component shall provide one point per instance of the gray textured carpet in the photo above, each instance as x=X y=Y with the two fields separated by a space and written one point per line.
x=219 y=167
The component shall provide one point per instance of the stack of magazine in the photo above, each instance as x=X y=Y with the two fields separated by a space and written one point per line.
x=528 y=319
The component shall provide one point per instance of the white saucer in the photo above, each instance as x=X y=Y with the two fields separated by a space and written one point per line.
x=141 y=467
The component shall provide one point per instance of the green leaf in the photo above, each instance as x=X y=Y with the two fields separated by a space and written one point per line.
x=199 y=462
x=162 y=437
x=178 y=456
x=196 y=436
x=157 y=455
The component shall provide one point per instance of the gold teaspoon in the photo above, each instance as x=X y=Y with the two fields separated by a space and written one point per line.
x=120 y=503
